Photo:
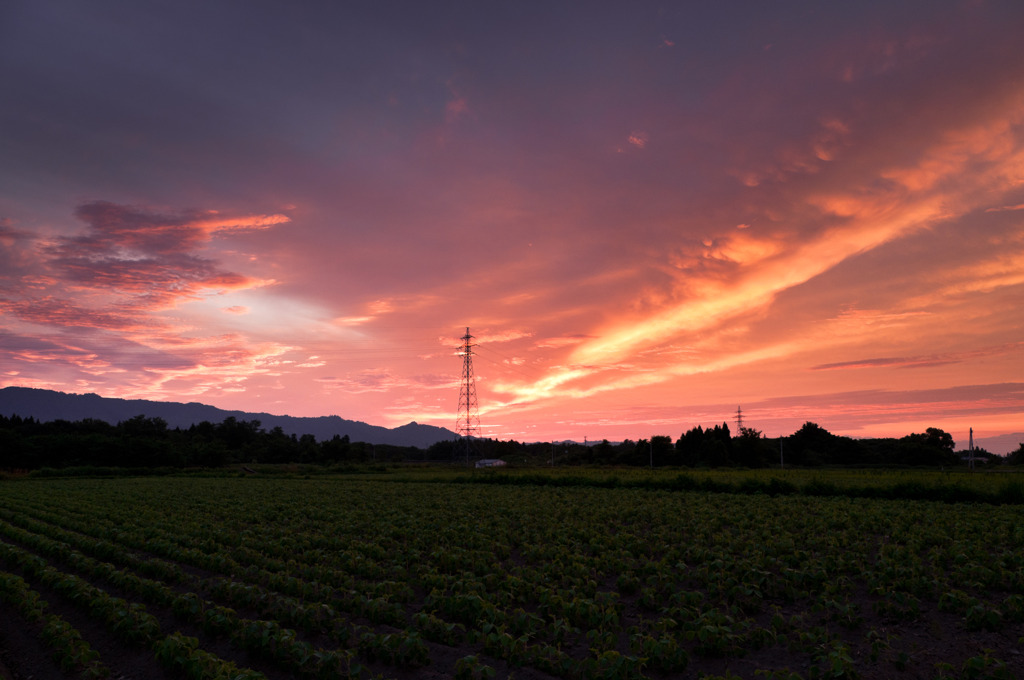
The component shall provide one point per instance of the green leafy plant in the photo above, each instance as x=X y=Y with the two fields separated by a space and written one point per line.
x=471 y=668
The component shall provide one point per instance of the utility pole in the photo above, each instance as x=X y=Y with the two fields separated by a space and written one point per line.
x=467 y=423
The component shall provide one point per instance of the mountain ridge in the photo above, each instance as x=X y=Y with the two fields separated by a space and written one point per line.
x=47 y=405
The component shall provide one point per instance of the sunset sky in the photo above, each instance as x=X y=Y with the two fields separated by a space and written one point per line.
x=648 y=214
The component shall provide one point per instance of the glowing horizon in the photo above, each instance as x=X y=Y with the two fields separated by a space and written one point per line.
x=815 y=213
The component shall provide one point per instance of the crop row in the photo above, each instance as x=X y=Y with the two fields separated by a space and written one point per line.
x=266 y=638
x=578 y=583
x=71 y=652
x=129 y=621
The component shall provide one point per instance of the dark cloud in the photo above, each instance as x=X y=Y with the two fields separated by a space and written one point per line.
x=134 y=229
x=925 y=361
x=902 y=362
x=64 y=312
x=17 y=255
x=87 y=301
x=143 y=259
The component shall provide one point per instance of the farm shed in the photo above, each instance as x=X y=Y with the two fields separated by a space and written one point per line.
x=490 y=462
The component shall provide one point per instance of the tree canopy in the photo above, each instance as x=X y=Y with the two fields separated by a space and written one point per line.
x=143 y=442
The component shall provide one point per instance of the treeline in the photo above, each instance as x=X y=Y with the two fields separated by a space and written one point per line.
x=699 y=447
x=143 y=442
x=810 y=446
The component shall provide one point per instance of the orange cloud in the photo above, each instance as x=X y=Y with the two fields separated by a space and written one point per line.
x=736 y=278
x=756 y=286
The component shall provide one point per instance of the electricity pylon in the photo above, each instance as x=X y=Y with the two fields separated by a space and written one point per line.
x=467 y=423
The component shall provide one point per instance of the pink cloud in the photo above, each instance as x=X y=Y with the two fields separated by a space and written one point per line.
x=455 y=108
x=638 y=139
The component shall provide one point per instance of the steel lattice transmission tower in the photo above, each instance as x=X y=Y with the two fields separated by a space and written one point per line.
x=467 y=423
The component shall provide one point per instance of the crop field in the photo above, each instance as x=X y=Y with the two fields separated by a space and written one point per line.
x=338 y=577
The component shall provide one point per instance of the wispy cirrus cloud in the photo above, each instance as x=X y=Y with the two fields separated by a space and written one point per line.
x=486 y=336
x=384 y=380
x=214 y=365
x=924 y=361
x=563 y=341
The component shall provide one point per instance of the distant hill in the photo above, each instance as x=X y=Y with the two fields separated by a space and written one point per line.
x=47 y=405
x=1000 y=444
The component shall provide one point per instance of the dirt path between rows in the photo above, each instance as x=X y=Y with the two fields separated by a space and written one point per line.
x=22 y=654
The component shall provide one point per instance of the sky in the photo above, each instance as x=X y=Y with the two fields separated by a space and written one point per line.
x=647 y=214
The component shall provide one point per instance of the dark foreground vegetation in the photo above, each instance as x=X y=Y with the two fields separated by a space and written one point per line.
x=142 y=442
x=254 y=577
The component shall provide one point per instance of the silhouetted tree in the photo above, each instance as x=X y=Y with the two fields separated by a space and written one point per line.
x=601 y=453
x=335 y=449
x=688 y=446
x=809 y=445
x=664 y=453
x=931 y=447
x=750 y=449
x=237 y=434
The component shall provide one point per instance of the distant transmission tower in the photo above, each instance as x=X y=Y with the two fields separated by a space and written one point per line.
x=970 y=451
x=739 y=421
x=467 y=423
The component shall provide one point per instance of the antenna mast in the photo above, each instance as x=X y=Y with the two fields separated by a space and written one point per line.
x=467 y=423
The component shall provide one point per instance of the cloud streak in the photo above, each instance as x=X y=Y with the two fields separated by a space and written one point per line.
x=923 y=361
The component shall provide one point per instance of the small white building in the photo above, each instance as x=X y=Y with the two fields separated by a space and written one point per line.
x=490 y=462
